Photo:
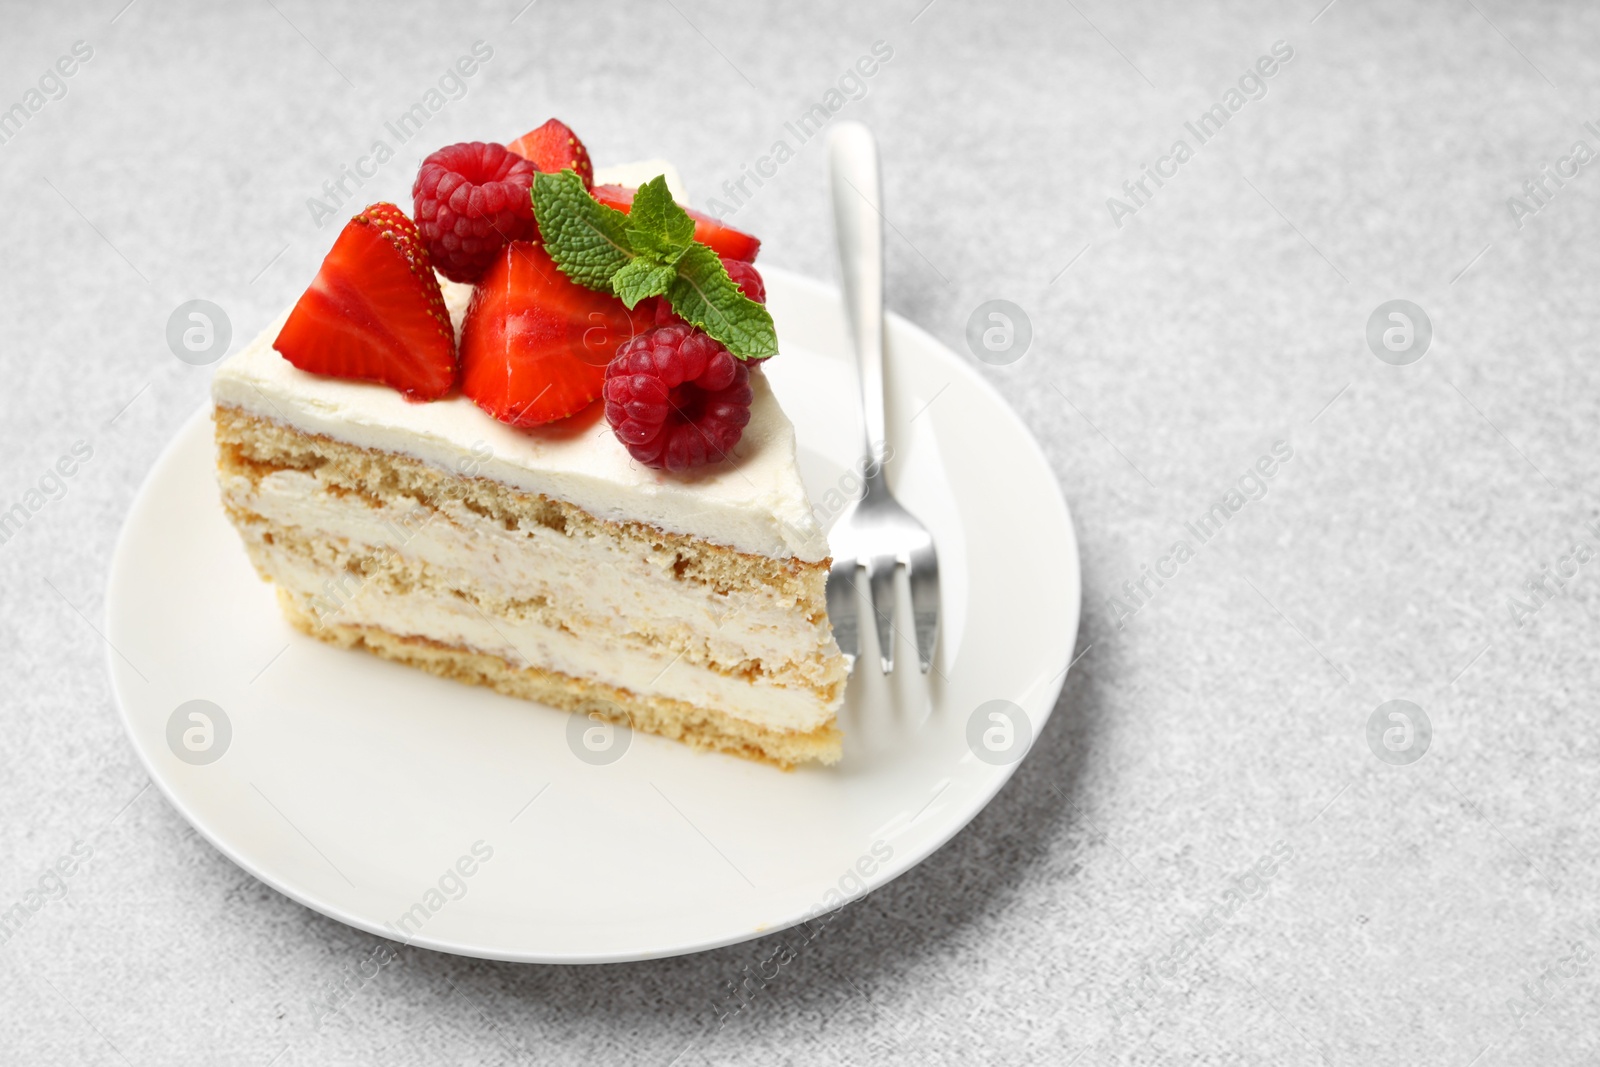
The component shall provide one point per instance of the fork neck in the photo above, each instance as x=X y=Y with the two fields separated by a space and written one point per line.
x=876 y=451
x=875 y=480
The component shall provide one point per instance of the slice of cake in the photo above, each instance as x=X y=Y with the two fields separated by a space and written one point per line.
x=651 y=559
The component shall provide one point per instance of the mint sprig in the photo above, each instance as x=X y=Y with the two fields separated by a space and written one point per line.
x=648 y=251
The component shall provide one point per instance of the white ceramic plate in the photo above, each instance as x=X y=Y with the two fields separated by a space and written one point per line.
x=365 y=790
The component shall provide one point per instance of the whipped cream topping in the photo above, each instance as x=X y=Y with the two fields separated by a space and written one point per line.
x=753 y=502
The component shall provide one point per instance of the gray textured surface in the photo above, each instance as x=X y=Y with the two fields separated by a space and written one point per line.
x=1225 y=719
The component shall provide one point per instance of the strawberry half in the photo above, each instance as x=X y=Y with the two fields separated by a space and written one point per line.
x=535 y=344
x=724 y=240
x=374 y=311
x=554 y=148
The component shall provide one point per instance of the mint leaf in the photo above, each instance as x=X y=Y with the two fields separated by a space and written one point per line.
x=648 y=251
x=656 y=224
x=588 y=240
x=640 y=279
x=704 y=295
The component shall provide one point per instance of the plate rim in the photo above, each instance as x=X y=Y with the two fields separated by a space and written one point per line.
x=895 y=869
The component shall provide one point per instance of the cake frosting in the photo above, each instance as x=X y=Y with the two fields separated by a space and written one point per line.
x=754 y=503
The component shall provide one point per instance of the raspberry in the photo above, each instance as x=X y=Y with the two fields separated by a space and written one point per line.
x=472 y=199
x=664 y=315
x=747 y=278
x=676 y=399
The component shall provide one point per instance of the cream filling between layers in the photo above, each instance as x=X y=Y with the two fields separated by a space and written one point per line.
x=592 y=581
x=584 y=653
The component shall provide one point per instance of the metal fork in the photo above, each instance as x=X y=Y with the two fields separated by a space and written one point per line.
x=874 y=532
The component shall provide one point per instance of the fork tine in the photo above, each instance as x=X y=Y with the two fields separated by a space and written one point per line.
x=924 y=575
x=843 y=609
x=880 y=576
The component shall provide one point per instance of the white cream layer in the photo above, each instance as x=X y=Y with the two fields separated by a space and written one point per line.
x=452 y=621
x=754 y=502
x=595 y=582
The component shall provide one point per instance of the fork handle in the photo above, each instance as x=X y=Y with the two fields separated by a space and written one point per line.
x=858 y=225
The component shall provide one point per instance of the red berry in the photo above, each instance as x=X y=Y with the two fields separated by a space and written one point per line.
x=747 y=278
x=535 y=344
x=663 y=313
x=724 y=240
x=471 y=199
x=374 y=311
x=554 y=148
x=676 y=399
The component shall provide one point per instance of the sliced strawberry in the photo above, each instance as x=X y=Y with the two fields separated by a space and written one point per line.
x=554 y=148
x=535 y=344
x=374 y=311
x=724 y=240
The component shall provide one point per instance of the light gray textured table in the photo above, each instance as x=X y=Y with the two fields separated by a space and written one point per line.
x=1440 y=911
